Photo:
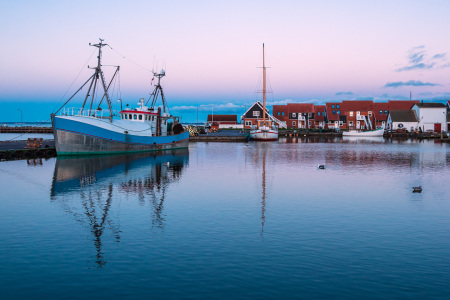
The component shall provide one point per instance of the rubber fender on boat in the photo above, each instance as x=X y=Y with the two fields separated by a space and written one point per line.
x=177 y=129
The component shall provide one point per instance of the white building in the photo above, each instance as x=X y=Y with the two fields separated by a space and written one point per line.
x=405 y=119
x=432 y=116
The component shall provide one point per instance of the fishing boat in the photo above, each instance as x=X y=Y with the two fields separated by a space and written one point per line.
x=90 y=130
x=364 y=133
x=265 y=129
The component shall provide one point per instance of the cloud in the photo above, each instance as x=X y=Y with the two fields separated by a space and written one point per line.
x=183 y=107
x=363 y=98
x=282 y=102
x=344 y=94
x=439 y=56
x=418 y=60
x=409 y=83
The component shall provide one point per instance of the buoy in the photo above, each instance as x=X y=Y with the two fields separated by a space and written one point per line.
x=321 y=166
x=417 y=189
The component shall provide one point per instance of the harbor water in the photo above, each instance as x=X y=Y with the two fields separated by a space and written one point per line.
x=231 y=221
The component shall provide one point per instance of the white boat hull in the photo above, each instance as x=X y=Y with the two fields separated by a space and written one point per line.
x=369 y=133
x=261 y=135
x=75 y=135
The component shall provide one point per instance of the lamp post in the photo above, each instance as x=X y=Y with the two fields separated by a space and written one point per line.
x=21 y=116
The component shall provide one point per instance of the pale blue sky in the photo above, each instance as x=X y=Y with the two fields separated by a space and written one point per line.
x=317 y=50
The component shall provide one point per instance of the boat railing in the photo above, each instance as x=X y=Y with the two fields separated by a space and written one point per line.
x=98 y=113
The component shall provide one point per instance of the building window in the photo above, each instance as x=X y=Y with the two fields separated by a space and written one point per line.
x=339 y=112
x=358 y=113
x=337 y=106
x=293 y=124
x=385 y=112
x=351 y=114
x=294 y=115
x=248 y=123
x=381 y=112
x=332 y=106
x=256 y=113
x=370 y=113
x=341 y=123
x=282 y=113
x=351 y=123
x=309 y=123
x=334 y=112
x=318 y=113
x=278 y=113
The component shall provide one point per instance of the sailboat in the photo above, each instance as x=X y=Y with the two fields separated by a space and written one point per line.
x=90 y=130
x=265 y=129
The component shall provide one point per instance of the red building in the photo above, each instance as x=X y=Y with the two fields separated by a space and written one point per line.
x=320 y=117
x=296 y=115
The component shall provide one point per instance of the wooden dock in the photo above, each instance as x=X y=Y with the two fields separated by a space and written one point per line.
x=24 y=149
x=25 y=129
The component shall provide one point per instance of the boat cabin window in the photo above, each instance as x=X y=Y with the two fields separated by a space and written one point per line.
x=135 y=117
x=129 y=116
x=140 y=117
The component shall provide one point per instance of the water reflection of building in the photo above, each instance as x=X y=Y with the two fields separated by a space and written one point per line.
x=91 y=188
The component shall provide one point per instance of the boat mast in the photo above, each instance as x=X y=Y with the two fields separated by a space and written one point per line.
x=264 y=90
x=98 y=74
x=158 y=91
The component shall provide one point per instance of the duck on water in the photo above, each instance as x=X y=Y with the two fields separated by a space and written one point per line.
x=90 y=130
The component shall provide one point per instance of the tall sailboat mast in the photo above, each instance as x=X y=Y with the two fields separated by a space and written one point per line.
x=264 y=90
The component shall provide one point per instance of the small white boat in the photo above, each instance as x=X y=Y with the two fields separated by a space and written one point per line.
x=265 y=130
x=364 y=133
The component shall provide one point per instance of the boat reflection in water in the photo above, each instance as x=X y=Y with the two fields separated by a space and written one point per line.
x=91 y=188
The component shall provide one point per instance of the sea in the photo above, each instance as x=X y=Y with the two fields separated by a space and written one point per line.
x=254 y=220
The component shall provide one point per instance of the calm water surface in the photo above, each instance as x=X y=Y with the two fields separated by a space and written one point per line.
x=230 y=221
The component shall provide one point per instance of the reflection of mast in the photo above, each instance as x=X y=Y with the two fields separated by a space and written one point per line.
x=264 y=90
x=98 y=225
x=263 y=199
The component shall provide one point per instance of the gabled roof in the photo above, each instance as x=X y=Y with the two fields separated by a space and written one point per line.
x=401 y=104
x=222 y=118
x=257 y=103
x=430 y=105
x=403 y=115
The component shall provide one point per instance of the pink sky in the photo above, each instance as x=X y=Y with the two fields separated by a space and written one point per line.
x=211 y=51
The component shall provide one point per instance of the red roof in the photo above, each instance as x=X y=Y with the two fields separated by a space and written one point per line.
x=401 y=104
x=383 y=107
x=357 y=105
x=331 y=116
x=319 y=109
x=300 y=107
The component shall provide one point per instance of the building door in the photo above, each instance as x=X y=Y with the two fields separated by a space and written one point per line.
x=437 y=127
